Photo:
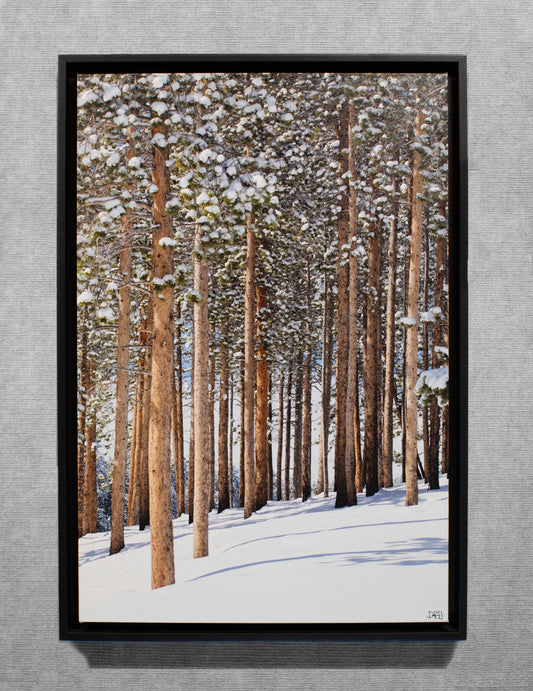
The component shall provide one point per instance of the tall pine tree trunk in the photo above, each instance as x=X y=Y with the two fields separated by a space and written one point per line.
x=434 y=410
x=201 y=403
x=287 y=478
x=242 y=474
x=411 y=413
x=144 y=496
x=211 y=418
x=230 y=453
x=133 y=486
x=82 y=416
x=425 y=349
x=261 y=418
x=118 y=495
x=177 y=421
x=89 y=485
x=159 y=474
x=341 y=371
x=249 y=373
x=388 y=401
x=190 y=478
x=269 y=442
x=351 y=384
x=325 y=406
x=359 y=464
x=279 y=457
x=306 y=432
x=372 y=368
x=223 y=414
x=298 y=430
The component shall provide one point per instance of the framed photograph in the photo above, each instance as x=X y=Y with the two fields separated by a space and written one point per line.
x=262 y=347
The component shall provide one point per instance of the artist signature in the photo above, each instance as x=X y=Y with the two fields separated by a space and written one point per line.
x=435 y=614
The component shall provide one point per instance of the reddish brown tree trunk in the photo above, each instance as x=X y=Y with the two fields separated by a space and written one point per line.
x=177 y=422
x=372 y=365
x=201 y=423
x=287 y=478
x=89 y=485
x=230 y=453
x=298 y=420
x=133 y=486
x=211 y=419
x=388 y=418
x=306 y=438
x=223 y=414
x=325 y=407
x=342 y=313
x=249 y=373
x=279 y=457
x=359 y=464
x=351 y=384
x=261 y=417
x=242 y=475
x=144 y=497
x=118 y=496
x=82 y=416
x=425 y=350
x=269 y=437
x=411 y=413
x=161 y=393
x=190 y=479
x=434 y=411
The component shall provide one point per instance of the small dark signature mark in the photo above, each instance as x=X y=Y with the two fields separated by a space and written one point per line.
x=435 y=614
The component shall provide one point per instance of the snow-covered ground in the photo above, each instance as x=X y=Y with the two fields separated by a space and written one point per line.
x=379 y=561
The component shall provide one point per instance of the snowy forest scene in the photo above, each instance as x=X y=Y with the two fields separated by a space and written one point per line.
x=262 y=347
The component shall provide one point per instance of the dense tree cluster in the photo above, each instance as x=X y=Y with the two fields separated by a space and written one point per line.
x=255 y=250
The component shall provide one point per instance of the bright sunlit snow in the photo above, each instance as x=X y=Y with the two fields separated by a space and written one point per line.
x=379 y=561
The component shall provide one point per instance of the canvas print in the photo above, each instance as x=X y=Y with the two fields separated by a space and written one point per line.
x=263 y=346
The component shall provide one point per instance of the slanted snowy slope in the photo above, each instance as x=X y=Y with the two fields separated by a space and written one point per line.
x=290 y=562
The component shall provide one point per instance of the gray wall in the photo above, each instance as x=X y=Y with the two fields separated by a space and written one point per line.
x=497 y=38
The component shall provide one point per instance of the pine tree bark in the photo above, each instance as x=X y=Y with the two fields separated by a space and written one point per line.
x=388 y=401
x=242 y=477
x=223 y=414
x=372 y=368
x=411 y=413
x=279 y=457
x=177 y=421
x=287 y=469
x=230 y=453
x=162 y=384
x=144 y=496
x=118 y=495
x=298 y=428
x=434 y=410
x=133 y=485
x=269 y=442
x=201 y=404
x=341 y=370
x=190 y=478
x=89 y=485
x=325 y=406
x=211 y=419
x=425 y=349
x=306 y=432
x=359 y=464
x=351 y=383
x=249 y=373
x=82 y=416
x=444 y=441
x=261 y=417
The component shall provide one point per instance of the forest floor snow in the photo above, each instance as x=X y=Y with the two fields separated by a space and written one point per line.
x=291 y=561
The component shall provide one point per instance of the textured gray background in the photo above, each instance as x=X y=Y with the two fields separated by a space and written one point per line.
x=497 y=38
